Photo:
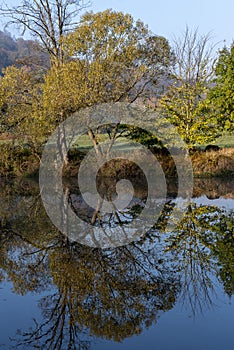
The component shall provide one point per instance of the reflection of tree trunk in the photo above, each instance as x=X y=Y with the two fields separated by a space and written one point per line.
x=64 y=210
x=52 y=332
x=95 y=214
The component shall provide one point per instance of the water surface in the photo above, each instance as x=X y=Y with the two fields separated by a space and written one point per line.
x=168 y=290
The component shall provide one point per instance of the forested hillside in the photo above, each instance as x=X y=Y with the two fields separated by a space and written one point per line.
x=19 y=51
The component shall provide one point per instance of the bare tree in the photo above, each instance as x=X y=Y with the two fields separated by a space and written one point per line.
x=193 y=56
x=192 y=73
x=46 y=20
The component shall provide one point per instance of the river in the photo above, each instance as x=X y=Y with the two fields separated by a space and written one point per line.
x=165 y=290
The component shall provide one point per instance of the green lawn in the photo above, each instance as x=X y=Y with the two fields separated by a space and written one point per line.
x=227 y=140
x=84 y=142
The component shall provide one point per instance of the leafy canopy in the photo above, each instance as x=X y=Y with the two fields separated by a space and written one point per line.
x=109 y=57
x=221 y=95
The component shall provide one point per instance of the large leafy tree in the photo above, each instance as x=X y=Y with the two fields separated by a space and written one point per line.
x=109 y=58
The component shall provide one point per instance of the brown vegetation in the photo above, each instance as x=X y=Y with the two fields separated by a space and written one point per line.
x=213 y=163
x=19 y=162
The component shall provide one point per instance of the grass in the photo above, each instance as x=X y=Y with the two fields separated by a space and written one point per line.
x=225 y=141
x=84 y=143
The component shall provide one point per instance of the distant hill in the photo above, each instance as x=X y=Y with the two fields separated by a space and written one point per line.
x=20 y=52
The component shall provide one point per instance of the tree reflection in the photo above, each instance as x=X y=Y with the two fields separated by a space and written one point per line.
x=112 y=293
x=221 y=243
x=201 y=248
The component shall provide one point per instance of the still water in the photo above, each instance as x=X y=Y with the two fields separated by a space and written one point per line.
x=168 y=290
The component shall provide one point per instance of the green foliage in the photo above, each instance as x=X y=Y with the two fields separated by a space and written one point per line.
x=224 y=252
x=221 y=96
x=108 y=58
x=186 y=108
x=203 y=244
x=144 y=137
x=21 y=110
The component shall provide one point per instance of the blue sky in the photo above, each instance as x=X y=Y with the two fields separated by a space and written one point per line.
x=169 y=17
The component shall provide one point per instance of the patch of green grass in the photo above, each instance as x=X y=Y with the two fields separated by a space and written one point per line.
x=84 y=142
x=225 y=141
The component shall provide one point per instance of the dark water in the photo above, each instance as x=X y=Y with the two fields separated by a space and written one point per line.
x=166 y=291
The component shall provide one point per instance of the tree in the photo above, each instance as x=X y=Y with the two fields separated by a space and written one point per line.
x=18 y=94
x=109 y=58
x=184 y=103
x=221 y=95
x=46 y=20
x=21 y=119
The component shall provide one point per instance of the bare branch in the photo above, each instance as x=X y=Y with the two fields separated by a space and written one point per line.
x=47 y=20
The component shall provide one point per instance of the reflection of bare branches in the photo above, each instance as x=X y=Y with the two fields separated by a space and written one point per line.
x=197 y=285
x=96 y=211
x=96 y=216
x=194 y=263
x=52 y=333
x=112 y=293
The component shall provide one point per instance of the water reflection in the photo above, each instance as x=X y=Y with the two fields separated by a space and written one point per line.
x=197 y=247
x=111 y=294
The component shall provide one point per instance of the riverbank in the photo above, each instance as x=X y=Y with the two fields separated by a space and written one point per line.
x=206 y=164
x=214 y=163
x=23 y=162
